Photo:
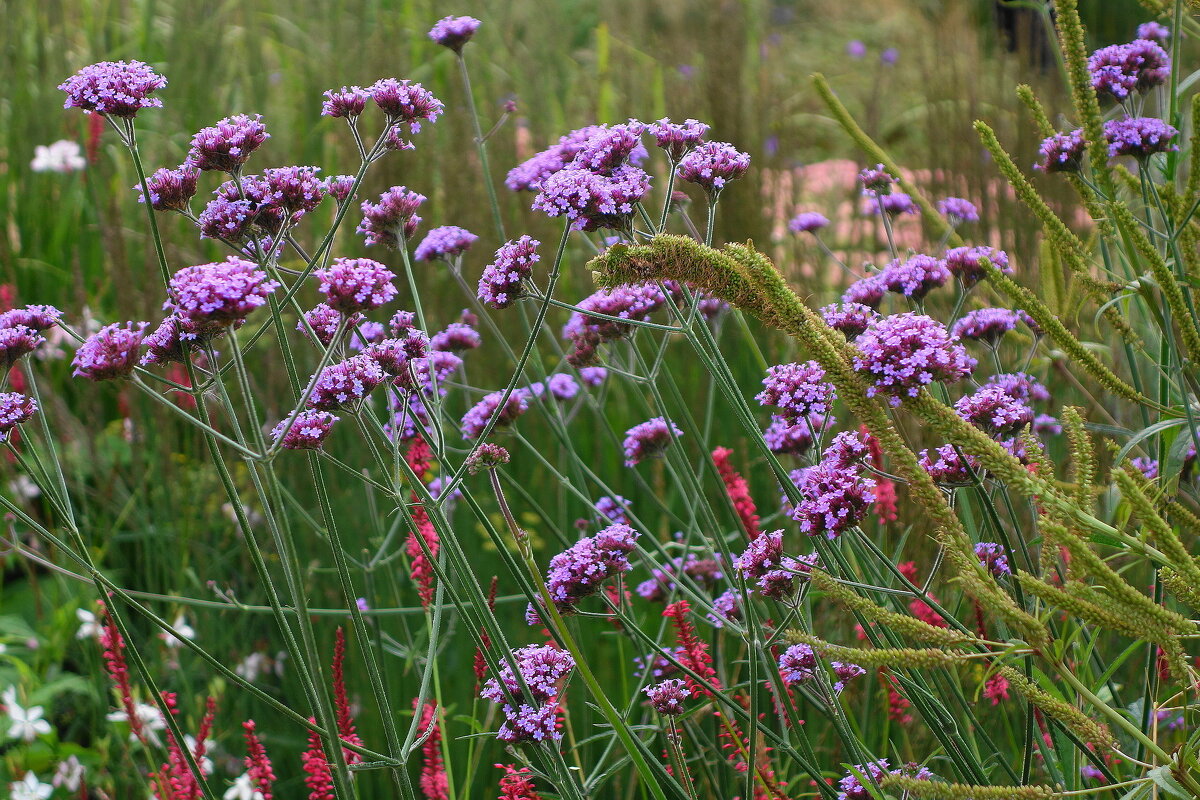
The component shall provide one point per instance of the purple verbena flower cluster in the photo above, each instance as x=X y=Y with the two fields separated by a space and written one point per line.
x=985 y=324
x=476 y=420
x=114 y=88
x=677 y=139
x=994 y=410
x=226 y=146
x=1062 y=152
x=170 y=189
x=346 y=382
x=668 y=697
x=1139 y=137
x=629 y=301
x=502 y=282
x=764 y=564
x=111 y=352
x=915 y=277
x=15 y=408
x=648 y=439
x=542 y=669
x=992 y=558
x=713 y=164
x=578 y=571
x=307 y=432
x=906 y=352
x=454 y=32
x=798 y=390
x=393 y=219
x=356 y=284
x=965 y=263
x=445 y=242
x=850 y=318
x=1121 y=69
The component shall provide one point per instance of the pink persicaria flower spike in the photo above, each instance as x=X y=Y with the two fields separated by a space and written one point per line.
x=454 y=32
x=712 y=165
x=114 y=88
x=502 y=283
x=579 y=571
x=738 y=490
x=221 y=293
x=258 y=765
x=356 y=284
x=307 y=432
x=649 y=439
x=15 y=408
x=170 y=189
x=318 y=775
x=226 y=146
x=393 y=219
x=341 y=701
x=111 y=352
x=433 y=781
x=516 y=784
x=346 y=103
x=903 y=353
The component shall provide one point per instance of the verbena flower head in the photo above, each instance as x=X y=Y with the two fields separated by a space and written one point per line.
x=261 y=201
x=445 y=242
x=294 y=189
x=356 y=284
x=439 y=365
x=17 y=341
x=764 y=563
x=308 y=432
x=393 y=218
x=530 y=174
x=1146 y=466
x=845 y=672
x=985 y=324
x=868 y=291
x=35 y=318
x=324 y=321
x=848 y=317
x=405 y=103
x=592 y=200
x=613 y=509
x=628 y=301
x=964 y=262
x=677 y=139
x=1139 y=137
x=173 y=338
x=1046 y=425
x=852 y=788
x=958 y=210
x=915 y=277
x=995 y=411
x=527 y=723
x=609 y=147
x=347 y=103
x=503 y=280
x=992 y=558
x=15 y=408
x=947 y=466
x=484 y=457
x=798 y=664
x=713 y=164
x=834 y=498
x=394 y=356
x=220 y=293
x=668 y=697
x=339 y=186
x=1155 y=32
x=893 y=204
x=476 y=420
x=794 y=438
x=1121 y=69
x=1020 y=386
x=649 y=439
x=797 y=389
x=170 y=189
x=454 y=32
x=346 y=382
x=541 y=669
x=114 y=88
x=876 y=180
x=578 y=571
x=456 y=337
x=227 y=219
x=111 y=352
x=808 y=222
x=726 y=607
x=226 y=146
x=1062 y=152
x=906 y=352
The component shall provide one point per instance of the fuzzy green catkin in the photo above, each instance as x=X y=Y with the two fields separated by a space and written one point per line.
x=929 y=212
x=900 y=623
x=1073 y=41
x=1083 y=458
x=1036 y=110
x=1184 y=590
x=897 y=657
x=1085 y=727
x=1160 y=530
x=1025 y=300
x=1076 y=606
x=940 y=790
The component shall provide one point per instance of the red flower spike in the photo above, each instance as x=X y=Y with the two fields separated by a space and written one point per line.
x=738 y=490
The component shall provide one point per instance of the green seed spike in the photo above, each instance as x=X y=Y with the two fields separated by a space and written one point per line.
x=1085 y=727
x=1158 y=528
x=1193 y=180
x=1184 y=590
x=898 y=657
x=939 y=790
x=1087 y=107
x=1083 y=458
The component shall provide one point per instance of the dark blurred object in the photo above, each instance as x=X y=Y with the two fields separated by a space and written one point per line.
x=1027 y=31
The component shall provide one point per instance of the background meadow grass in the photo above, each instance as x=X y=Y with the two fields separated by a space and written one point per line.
x=79 y=241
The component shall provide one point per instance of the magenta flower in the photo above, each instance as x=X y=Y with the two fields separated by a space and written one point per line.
x=227 y=219
x=677 y=139
x=502 y=282
x=808 y=222
x=764 y=563
x=849 y=318
x=578 y=571
x=963 y=262
x=445 y=242
x=393 y=219
x=530 y=174
x=346 y=382
x=1139 y=137
x=915 y=277
x=1121 y=69
x=609 y=147
x=958 y=210
x=798 y=390
x=324 y=321
x=592 y=200
x=114 y=88
x=868 y=292
x=992 y=558
x=946 y=465
x=35 y=318
x=221 y=293
x=834 y=498
x=454 y=32
x=339 y=187
x=170 y=189
x=668 y=697
x=17 y=341
x=1062 y=152
x=226 y=146
x=294 y=189
x=346 y=103
x=906 y=352
x=456 y=337
x=798 y=664
x=111 y=352
x=476 y=420
x=649 y=439
x=15 y=408
x=307 y=432
x=995 y=411
x=985 y=324
x=876 y=180
x=405 y=103
x=713 y=164
x=356 y=284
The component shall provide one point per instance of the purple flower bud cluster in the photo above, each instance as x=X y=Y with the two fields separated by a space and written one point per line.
x=476 y=420
x=15 y=408
x=661 y=584
x=906 y=352
x=893 y=205
x=794 y=438
x=1020 y=386
x=339 y=187
x=834 y=497
x=307 y=432
x=111 y=352
x=613 y=509
x=916 y=277
x=114 y=88
x=852 y=788
x=346 y=382
x=226 y=146
x=530 y=174
x=849 y=318
x=347 y=103
x=995 y=411
x=609 y=148
x=992 y=558
x=220 y=293
x=454 y=32
x=798 y=664
x=1147 y=466
x=324 y=321
x=445 y=242
x=946 y=466
x=456 y=338
x=393 y=218
x=592 y=200
x=502 y=282
x=578 y=571
x=405 y=103
x=876 y=180
x=964 y=262
x=677 y=139
x=18 y=340
x=35 y=318
x=648 y=439
x=1046 y=425
x=808 y=222
x=797 y=390
x=1062 y=152
x=712 y=164
x=726 y=607
x=484 y=457
x=629 y=301
x=764 y=563
x=174 y=337
x=294 y=189
x=541 y=670
x=958 y=210
x=1139 y=137
x=668 y=697
x=868 y=292
x=1121 y=69
x=395 y=356
x=170 y=189
x=1155 y=32
x=985 y=324
x=356 y=284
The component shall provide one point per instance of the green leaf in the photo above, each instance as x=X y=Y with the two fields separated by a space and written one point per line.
x=1165 y=781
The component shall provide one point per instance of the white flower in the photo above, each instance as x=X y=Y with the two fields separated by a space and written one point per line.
x=252 y=666
x=26 y=723
x=182 y=628
x=150 y=717
x=242 y=789
x=62 y=156
x=69 y=774
x=24 y=488
x=89 y=628
x=29 y=789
